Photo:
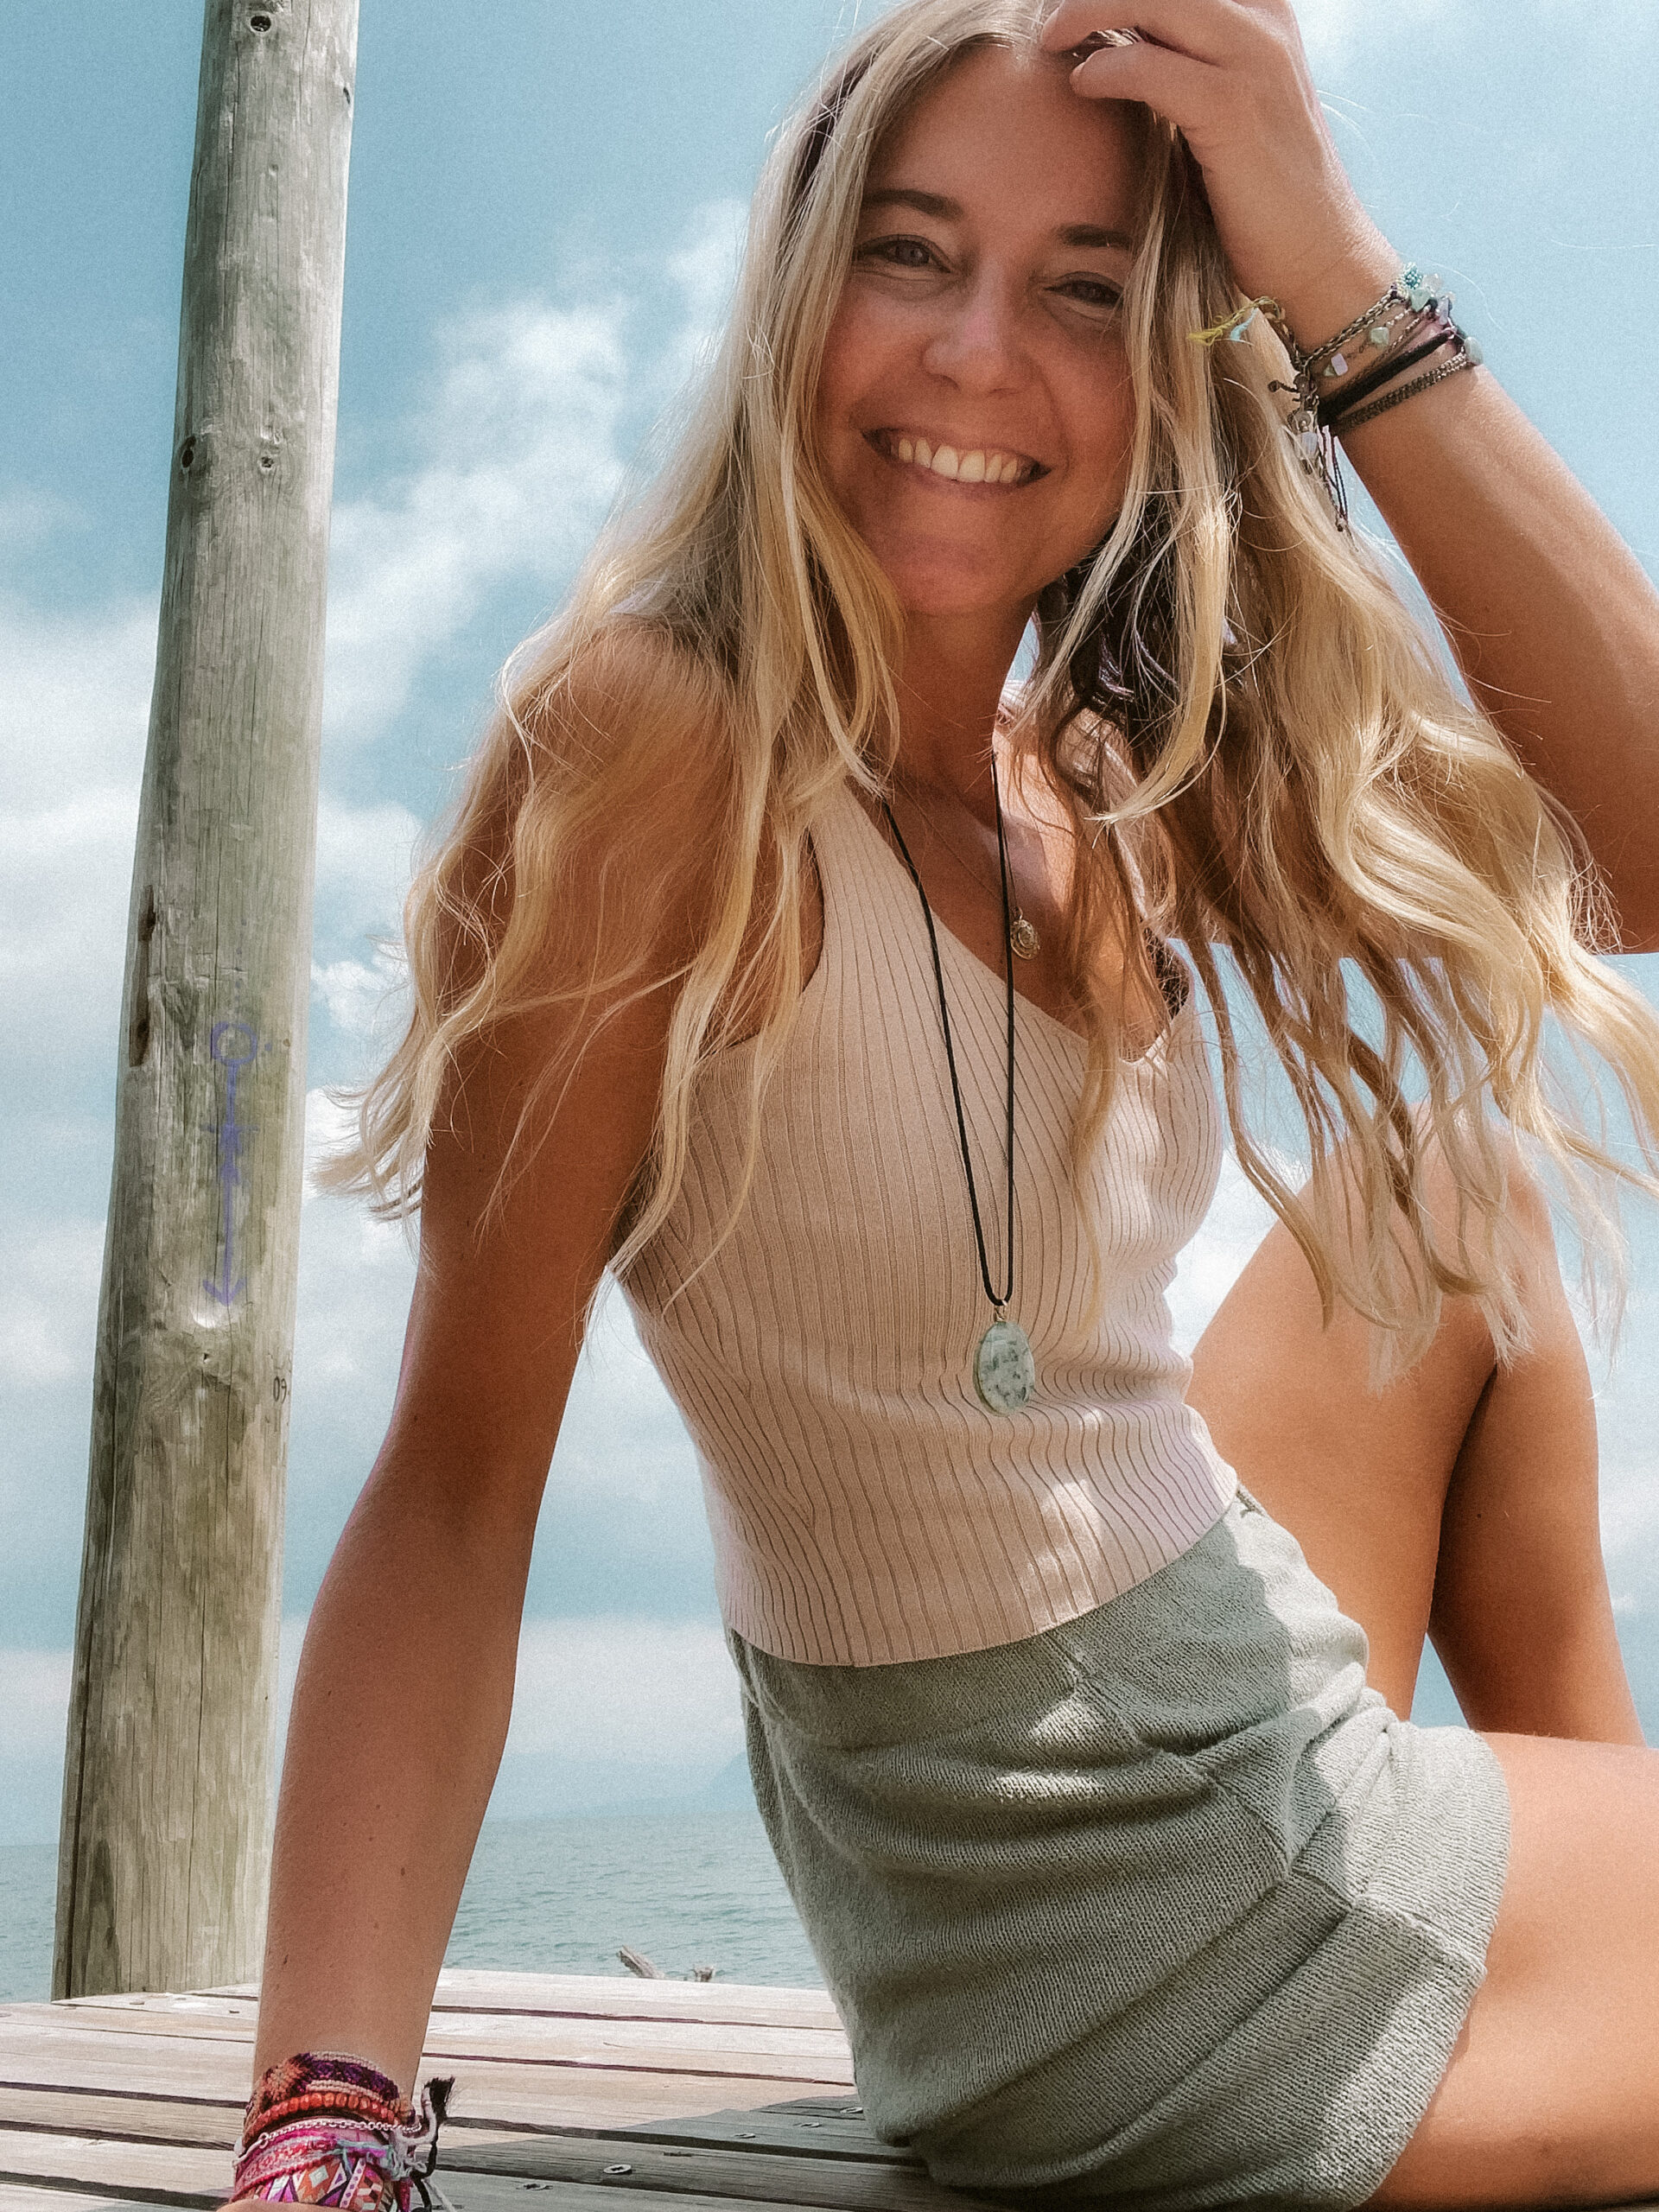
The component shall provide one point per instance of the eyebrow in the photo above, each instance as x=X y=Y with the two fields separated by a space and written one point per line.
x=951 y=211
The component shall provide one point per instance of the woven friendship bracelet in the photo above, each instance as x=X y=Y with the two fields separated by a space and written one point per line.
x=323 y=2127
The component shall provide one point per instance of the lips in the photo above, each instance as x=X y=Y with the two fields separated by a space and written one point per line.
x=955 y=464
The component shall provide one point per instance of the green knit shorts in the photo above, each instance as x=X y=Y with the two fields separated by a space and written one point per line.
x=1163 y=1905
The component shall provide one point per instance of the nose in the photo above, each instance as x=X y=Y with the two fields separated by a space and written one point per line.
x=977 y=344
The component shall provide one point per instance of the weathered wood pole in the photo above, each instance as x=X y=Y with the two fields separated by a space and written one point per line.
x=167 y=1780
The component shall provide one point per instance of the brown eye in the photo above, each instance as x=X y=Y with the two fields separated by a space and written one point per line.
x=899 y=253
x=1094 y=292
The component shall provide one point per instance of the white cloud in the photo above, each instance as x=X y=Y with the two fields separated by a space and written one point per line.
x=1629 y=1531
x=74 y=707
x=643 y=1692
x=1336 y=32
x=516 y=452
x=49 y=1302
x=609 y=1704
x=356 y=1274
x=514 y=457
x=704 y=270
x=363 y=869
x=622 y=1438
x=518 y=455
x=363 y=855
x=73 y=715
x=1238 y=1221
x=1333 y=29
x=356 y=993
x=34 y=1703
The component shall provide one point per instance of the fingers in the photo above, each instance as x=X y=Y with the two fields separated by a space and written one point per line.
x=1183 y=91
x=1203 y=31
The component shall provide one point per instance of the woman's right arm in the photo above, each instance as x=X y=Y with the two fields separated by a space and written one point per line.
x=405 y=1682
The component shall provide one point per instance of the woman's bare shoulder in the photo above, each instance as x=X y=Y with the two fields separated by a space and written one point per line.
x=626 y=747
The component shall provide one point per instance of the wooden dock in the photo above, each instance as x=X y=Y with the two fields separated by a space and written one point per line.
x=568 y=2087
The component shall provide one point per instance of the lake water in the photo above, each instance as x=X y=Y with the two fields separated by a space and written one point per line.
x=692 y=1888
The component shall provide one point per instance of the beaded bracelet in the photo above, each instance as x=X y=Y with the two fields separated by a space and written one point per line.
x=1415 y=301
x=325 y=2128
x=1412 y=292
x=1333 y=409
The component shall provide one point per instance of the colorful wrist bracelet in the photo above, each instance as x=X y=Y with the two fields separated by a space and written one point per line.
x=323 y=2127
x=1412 y=303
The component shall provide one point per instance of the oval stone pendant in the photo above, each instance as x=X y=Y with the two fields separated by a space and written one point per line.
x=1005 y=1373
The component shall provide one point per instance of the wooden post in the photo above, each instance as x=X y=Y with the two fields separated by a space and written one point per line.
x=168 y=1781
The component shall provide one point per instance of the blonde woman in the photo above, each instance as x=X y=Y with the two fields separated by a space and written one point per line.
x=784 y=960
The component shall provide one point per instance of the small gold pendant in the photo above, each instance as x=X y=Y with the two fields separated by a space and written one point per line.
x=1023 y=937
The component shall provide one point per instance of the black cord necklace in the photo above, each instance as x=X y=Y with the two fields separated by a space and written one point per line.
x=1005 y=1373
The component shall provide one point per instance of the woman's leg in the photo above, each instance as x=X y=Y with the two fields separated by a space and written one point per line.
x=1460 y=1501
x=1552 y=2096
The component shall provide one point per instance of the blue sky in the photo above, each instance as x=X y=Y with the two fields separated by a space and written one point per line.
x=543 y=217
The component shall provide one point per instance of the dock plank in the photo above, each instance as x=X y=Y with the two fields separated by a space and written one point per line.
x=488 y=2174
x=88 y=2111
x=612 y=1997
x=574 y=2094
x=499 y=2193
x=810 y=2055
x=179 y=2172
x=822 y=2132
x=35 y=2196
x=503 y=2094
x=717 y=2169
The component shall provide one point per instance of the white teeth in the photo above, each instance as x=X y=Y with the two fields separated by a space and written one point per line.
x=981 y=465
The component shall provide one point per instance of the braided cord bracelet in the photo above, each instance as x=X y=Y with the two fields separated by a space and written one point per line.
x=1395 y=328
x=1333 y=411
x=323 y=2127
x=1465 y=359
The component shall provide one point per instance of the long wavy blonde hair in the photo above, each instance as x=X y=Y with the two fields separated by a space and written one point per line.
x=1258 y=747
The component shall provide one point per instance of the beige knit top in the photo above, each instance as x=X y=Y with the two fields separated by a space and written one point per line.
x=865 y=1505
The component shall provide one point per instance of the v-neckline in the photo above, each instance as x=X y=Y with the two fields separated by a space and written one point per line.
x=1153 y=1051
x=947 y=935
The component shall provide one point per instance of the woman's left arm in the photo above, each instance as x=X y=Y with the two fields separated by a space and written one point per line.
x=1552 y=618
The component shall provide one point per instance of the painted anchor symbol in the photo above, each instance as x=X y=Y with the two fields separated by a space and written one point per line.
x=232 y=1044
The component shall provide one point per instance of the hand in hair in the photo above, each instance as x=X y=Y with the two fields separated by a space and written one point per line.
x=1232 y=77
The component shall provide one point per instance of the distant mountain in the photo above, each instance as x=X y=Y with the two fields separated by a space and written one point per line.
x=732 y=1785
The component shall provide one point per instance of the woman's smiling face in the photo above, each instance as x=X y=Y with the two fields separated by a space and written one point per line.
x=974 y=412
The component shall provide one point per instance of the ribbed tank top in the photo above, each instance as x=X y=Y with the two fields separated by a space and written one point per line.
x=864 y=1506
